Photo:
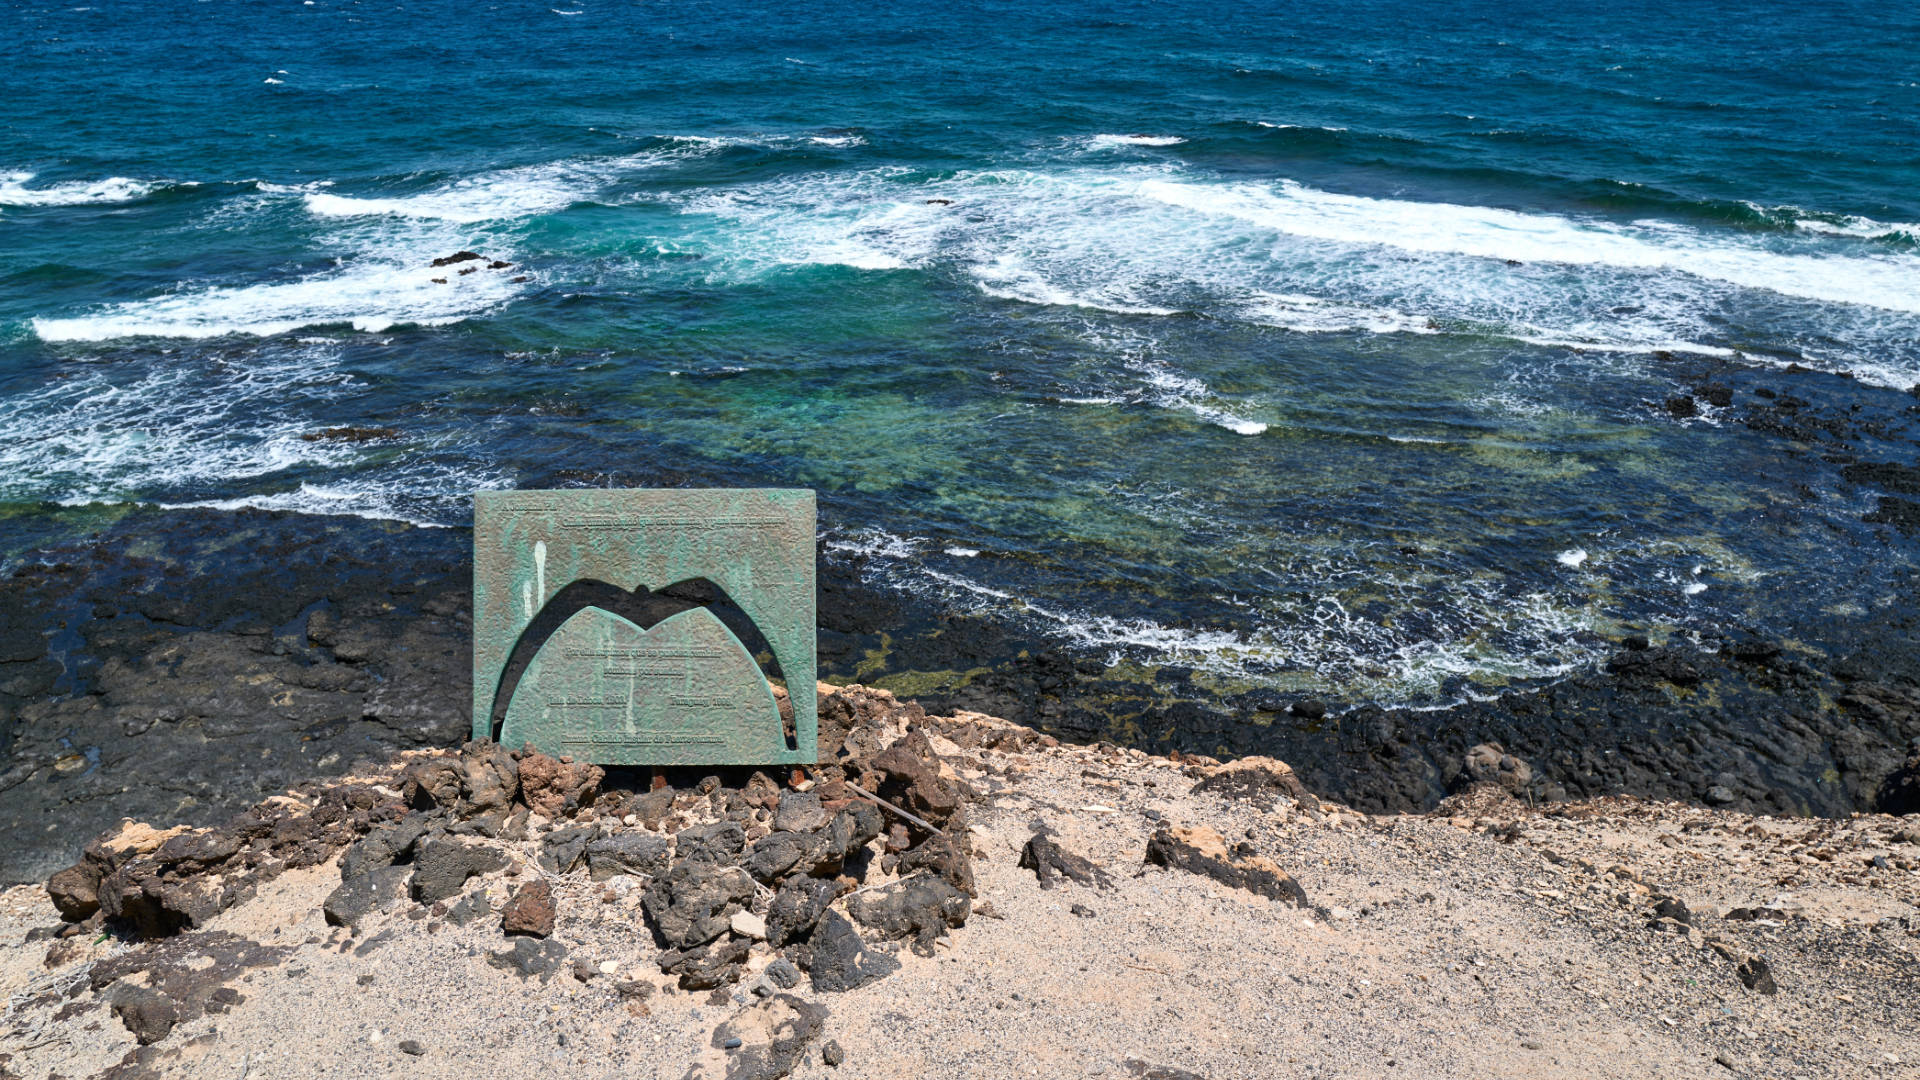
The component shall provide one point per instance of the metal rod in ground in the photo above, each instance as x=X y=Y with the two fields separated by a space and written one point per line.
x=920 y=821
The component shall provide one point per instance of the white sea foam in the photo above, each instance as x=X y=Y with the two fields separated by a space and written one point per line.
x=102 y=436
x=494 y=197
x=1169 y=388
x=507 y=194
x=1573 y=557
x=181 y=432
x=874 y=543
x=1108 y=142
x=289 y=189
x=831 y=221
x=1154 y=239
x=370 y=294
x=1850 y=225
x=962 y=552
x=1641 y=347
x=377 y=274
x=838 y=141
x=1511 y=405
x=1175 y=391
x=1160 y=384
x=1478 y=635
x=1007 y=277
x=1863 y=227
x=114 y=189
x=1314 y=315
x=1485 y=232
x=429 y=495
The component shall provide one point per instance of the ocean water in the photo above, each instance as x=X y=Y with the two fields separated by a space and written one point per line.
x=1313 y=346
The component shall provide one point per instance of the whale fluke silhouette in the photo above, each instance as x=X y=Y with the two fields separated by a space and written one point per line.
x=603 y=688
x=642 y=609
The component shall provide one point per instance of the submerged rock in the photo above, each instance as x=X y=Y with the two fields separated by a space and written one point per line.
x=1895 y=477
x=1903 y=514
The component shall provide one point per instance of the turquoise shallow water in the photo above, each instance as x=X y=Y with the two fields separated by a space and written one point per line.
x=1314 y=346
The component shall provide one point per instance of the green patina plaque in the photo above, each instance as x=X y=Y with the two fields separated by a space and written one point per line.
x=638 y=627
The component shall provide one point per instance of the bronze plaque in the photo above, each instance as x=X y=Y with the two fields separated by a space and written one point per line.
x=646 y=627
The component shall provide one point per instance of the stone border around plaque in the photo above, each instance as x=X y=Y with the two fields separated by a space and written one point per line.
x=555 y=570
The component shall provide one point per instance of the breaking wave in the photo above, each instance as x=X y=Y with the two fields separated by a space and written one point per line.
x=507 y=194
x=1479 y=640
x=114 y=189
x=370 y=294
x=1153 y=240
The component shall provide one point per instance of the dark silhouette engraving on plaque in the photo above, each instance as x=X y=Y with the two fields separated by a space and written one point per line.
x=613 y=626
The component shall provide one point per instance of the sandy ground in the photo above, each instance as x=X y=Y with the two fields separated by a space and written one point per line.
x=1484 y=940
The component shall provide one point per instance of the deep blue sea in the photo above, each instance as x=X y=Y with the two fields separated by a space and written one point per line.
x=1317 y=346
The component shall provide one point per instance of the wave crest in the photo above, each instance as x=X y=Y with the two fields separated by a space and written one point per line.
x=114 y=189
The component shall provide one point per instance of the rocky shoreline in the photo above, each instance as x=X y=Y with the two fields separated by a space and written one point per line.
x=180 y=665
x=959 y=895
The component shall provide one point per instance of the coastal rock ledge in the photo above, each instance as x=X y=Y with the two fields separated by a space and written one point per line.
x=961 y=896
